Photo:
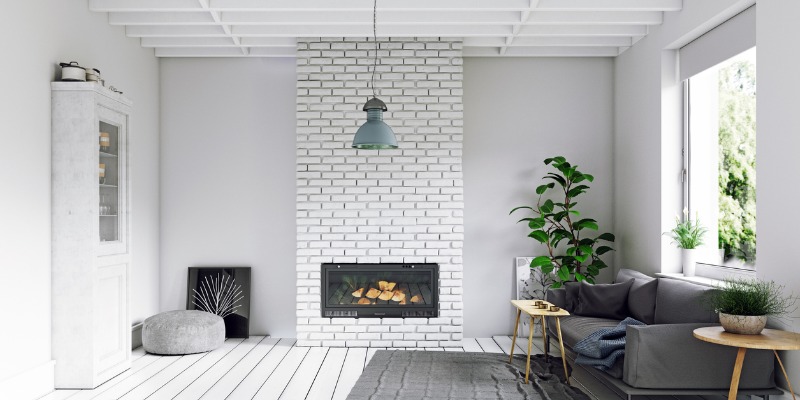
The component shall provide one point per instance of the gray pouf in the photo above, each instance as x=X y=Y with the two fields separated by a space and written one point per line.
x=182 y=332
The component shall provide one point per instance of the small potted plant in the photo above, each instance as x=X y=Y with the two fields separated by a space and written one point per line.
x=744 y=304
x=688 y=235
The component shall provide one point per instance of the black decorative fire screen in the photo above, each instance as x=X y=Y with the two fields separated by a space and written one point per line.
x=380 y=290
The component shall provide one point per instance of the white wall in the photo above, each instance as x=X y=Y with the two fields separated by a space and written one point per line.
x=228 y=179
x=517 y=112
x=647 y=158
x=36 y=36
x=778 y=144
x=56 y=31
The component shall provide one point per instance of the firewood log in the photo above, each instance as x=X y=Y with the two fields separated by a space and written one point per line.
x=373 y=293
x=364 y=301
x=358 y=293
x=398 y=296
x=386 y=295
x=402 y=302
x=416 y=299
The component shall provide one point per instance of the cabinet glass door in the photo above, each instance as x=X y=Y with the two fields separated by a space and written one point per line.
x=109 y=180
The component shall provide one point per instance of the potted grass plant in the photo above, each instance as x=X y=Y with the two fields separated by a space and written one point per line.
x=688 y=236
x=744 y=304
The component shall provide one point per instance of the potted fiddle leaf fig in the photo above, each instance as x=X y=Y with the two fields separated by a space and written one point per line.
x=573 y=245
x=744 y=304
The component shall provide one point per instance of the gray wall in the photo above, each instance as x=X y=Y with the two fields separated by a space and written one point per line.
x=517 y=112
x=36 y=36
x=228 y=179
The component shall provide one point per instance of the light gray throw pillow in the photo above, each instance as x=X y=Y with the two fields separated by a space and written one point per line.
x=604 y=300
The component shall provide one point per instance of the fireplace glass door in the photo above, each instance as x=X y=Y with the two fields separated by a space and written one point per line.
x=380 y=290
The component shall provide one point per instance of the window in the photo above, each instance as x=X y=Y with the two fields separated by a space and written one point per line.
x=720 y=160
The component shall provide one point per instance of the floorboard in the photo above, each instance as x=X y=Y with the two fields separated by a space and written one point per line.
x=471 y=345
x=305 y=375
x=120 y=389
x=489 y=346
x=325 y=382
x=150 y=386
x=235 y=376
x=250 y=385
x=353 y=365
x=274 y=385
x=136 y=366
x=212 y=375
x=188 y=376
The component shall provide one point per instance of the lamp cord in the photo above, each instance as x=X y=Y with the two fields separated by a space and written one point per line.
x=375 y=39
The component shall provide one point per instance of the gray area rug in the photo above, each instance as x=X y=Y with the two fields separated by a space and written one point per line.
x=406 y=375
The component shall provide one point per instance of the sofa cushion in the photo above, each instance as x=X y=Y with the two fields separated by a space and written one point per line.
x=573 y=290
x=642 y=300
x=575 y=328
x=680 y=302
x=642 y=296
x=604 y=300
x=625 y=274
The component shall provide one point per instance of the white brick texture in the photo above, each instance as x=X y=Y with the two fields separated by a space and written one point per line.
x=392 y=206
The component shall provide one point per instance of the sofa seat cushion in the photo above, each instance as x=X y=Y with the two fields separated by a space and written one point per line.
x=575 y=328
x=679 y=302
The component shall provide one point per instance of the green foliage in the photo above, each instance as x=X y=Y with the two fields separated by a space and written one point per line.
x=687 y=234
x=574 y=251
x=751 y=297
x=737 y=155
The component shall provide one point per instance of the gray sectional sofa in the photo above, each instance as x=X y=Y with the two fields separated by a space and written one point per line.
x=661 y=357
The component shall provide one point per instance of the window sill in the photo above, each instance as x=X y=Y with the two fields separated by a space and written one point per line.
x=694 y=279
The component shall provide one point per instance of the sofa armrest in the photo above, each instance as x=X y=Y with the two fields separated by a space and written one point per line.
x=668 y=356
x=558 y=297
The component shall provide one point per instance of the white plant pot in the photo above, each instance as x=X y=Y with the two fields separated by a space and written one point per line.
x=743 y=324
x=688 y=261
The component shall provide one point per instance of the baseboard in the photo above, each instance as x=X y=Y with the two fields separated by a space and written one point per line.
x=136 y=336
x=31 y=384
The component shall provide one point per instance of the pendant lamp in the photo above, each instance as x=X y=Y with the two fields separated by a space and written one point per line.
x=374 y=134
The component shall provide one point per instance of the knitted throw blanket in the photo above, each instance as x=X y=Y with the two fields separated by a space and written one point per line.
x=602 y=348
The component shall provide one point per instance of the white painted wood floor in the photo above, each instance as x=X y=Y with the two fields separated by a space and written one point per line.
x=269 y=368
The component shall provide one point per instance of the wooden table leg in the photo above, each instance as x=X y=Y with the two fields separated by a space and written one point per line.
x=544 y=338
x=737 y=372
x=784 y=374
x=561 y=344
x=514 y=339
x=530 y=342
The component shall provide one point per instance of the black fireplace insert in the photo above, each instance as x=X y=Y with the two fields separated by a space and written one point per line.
x=380 y=290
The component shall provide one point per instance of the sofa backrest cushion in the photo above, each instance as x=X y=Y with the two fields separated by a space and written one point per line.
x=642 y=296
x=573 y=290
x=683 y=302
x=604 y=300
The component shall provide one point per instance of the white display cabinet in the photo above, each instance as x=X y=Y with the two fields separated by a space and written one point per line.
x=90 y=234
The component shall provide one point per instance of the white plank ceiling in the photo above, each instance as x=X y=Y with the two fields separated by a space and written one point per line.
x=490 y=28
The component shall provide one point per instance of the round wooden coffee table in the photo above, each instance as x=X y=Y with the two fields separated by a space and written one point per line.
x=769 y=339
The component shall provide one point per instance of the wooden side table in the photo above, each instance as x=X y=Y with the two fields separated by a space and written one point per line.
x=769 y=339
x=528 y=307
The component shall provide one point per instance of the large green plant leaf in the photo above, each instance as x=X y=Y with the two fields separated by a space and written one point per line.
x=563 y=273
x=603 y=250
x=536 y=223
x=539 y=235
x=558 y=178
x=547 y=207
x=519 y=208
x=607 y=237
x=586 y=223
x=541 y=261
x=543 y=188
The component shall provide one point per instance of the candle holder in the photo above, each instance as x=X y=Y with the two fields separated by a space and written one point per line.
x=554 y=308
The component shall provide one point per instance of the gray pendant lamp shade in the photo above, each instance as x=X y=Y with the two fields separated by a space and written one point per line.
x=375 y=134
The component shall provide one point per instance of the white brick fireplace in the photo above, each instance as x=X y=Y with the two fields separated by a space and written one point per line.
x=379 y=206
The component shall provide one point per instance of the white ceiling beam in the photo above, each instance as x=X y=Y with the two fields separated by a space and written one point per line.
x=217 y=42
x=224 y=52
x=583 y=30
x=357 y=31
x=175 y=31
x=542 y=52
x=388 y=19
x=564 y=41
x=366 y=5
x=524 y=18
